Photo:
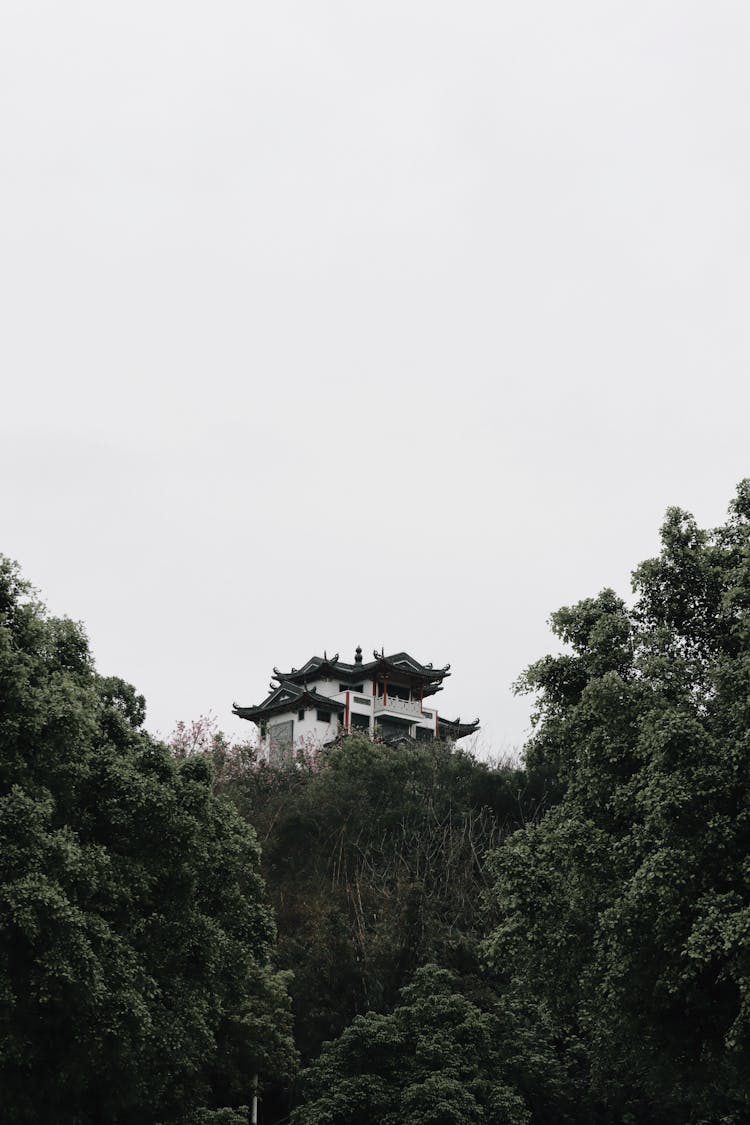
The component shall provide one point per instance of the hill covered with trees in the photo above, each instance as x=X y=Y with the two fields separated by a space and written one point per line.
x=433 y=939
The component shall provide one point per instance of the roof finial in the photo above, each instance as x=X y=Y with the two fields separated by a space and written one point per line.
x=358 y=654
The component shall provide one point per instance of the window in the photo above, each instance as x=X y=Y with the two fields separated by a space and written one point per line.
x=301 y=713
x=395 y=691
x=323 y=716
x=281 y=739
x=351 y=687
x=360 y=722
x=389 y=728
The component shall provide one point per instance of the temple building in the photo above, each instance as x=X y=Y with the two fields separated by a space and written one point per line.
x=385 y=698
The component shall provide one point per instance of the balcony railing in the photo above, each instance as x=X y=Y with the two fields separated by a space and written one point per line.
x=398 y=706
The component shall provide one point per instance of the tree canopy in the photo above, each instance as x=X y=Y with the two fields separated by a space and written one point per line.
x=436 y=1059
x=374 y=860
x=135 y=975
x=626 y=909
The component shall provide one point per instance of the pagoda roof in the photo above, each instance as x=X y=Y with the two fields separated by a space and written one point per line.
x=454 y=728
x=397 y=664
x=287 y=697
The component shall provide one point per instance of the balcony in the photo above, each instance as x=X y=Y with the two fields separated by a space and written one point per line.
x=395 y=706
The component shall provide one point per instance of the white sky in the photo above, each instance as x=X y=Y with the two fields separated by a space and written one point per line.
x=395 y=324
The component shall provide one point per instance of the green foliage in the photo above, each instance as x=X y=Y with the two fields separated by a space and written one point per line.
x=625 y=911
x=433 y=1060
x=135 y=976
x=604 y=888
x=224 y=1116
x=374 y=860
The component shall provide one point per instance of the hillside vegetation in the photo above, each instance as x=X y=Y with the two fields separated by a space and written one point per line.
x=393 y=935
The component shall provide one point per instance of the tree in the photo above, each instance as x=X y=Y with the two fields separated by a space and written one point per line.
x=135 y=942
x=626 y=910
x=436 y=1059
x=374 y=858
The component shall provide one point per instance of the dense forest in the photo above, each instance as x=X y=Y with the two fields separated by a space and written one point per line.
x=394 y=935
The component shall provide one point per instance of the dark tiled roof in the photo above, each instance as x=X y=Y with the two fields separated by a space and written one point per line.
x=454 y=728
x=288 y=697
x=400 y=663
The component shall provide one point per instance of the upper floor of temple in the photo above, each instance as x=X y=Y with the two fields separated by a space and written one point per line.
x=327 y=697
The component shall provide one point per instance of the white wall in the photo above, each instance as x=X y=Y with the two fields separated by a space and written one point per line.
x=305 y=732
x=309 y=731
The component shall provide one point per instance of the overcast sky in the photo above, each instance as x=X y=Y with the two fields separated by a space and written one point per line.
x=395 y=324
